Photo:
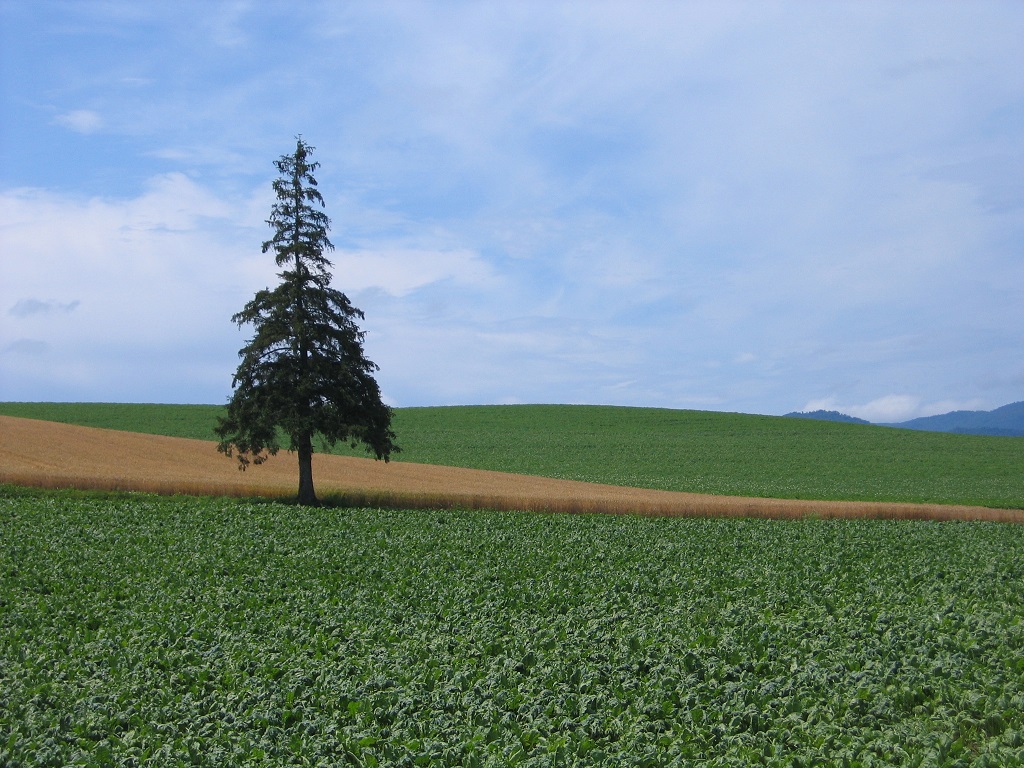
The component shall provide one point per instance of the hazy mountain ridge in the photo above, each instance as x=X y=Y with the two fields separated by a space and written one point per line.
x=1006 y=421
x=826 y=416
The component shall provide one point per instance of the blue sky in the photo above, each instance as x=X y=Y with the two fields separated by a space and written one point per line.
x=757 y=207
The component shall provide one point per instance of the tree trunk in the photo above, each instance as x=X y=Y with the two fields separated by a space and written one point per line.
x=307 y=496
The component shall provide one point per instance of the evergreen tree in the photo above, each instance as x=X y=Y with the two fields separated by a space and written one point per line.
x=303 y=375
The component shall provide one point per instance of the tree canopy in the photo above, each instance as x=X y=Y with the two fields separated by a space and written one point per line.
x=303 y=375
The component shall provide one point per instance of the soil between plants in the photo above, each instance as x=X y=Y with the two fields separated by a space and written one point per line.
x=53 y=455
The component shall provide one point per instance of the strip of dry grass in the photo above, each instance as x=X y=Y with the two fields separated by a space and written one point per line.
x=51 y=455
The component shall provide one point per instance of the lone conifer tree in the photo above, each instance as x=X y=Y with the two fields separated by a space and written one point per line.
x=303 y=373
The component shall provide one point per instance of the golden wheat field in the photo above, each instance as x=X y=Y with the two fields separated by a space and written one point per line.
x=52 y=455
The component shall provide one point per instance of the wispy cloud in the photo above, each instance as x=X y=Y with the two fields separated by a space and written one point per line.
x=80 y=120
x=895 y=408
x=399 y=271
x=27 y=347
x=29 y=307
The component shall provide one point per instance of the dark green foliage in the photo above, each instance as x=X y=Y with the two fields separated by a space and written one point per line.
x=827 y=416
x=147 y=631
x=303 y=374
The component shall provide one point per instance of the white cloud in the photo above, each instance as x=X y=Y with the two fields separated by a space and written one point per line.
x=153 y=278
x=156 y=277
x=892 y=409
x=400 y=271
x=887 y=409
x=81 y=120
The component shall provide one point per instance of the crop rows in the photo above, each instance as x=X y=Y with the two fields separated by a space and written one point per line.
x=148 y=631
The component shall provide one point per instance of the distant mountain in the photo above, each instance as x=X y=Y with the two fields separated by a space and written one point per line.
x=1007 y=421
x=827 y=416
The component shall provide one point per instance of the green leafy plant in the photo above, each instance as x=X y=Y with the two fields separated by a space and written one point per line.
x=143 y=630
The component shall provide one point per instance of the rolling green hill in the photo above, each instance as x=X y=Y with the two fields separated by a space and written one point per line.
x=697 y=451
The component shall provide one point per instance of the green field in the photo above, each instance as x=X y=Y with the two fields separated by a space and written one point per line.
x=697 y=451
x=138 y=630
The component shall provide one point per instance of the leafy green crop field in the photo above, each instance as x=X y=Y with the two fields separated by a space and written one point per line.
x=697 y=451
x=139 y=630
